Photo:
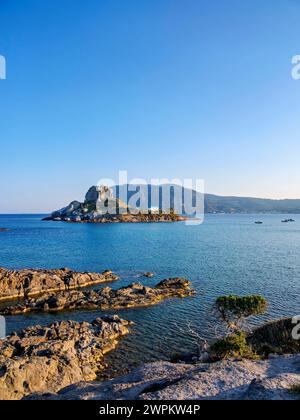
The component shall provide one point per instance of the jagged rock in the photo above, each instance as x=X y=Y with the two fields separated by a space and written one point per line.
x=71 y=208
x=227 y=380
x=98 y=194
x=135 y=295
x=45 y=359
x=15 y=284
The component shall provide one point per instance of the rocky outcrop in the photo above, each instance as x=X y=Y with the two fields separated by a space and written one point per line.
x=99 y=201
x=227 y=380
x=274 y=337
x=135 y=295
x=4 y=230
x=100 y=206
x=46 y=359
x=15 y=284
x=149 y=275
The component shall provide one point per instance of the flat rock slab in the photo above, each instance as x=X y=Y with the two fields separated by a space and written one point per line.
x=16 y=284
x=227 y=380
x=135 y=295
x=46 y=359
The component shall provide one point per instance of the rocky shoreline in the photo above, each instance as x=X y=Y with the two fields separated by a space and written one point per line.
x=273 y=373
x=59 y=361
x=270 y=379
x=132 y=296
x=46 y=359
x=18 y=284
x=119 y=218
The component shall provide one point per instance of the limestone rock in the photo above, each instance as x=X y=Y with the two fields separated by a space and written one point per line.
x=16 y=284
x=97 y=194
x=226 y=380
x=46 y=359
x=135 y=295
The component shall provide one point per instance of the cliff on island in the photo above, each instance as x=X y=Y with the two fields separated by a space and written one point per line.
x=100 y=206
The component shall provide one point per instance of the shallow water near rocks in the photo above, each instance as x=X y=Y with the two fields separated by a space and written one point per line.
x=228 y=254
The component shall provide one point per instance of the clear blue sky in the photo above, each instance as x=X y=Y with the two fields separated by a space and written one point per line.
x=162 y=88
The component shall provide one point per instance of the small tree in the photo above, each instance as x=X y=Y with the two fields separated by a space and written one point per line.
x=233 y=310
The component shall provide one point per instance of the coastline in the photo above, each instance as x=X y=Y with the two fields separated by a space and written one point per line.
x=29 y=283
x=128 y=218
x=141 y=265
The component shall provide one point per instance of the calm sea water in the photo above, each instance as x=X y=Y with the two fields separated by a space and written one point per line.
x=228 y=254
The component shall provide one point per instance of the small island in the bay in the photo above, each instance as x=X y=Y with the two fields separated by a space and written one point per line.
x=100 y=206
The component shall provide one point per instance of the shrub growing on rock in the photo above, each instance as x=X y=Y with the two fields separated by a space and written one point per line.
x=274 y=337
x=233 y=310
x=295 y=389
x=232 y=346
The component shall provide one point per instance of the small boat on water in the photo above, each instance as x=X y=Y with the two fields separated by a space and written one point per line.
x=258 y=223
x=287 y=220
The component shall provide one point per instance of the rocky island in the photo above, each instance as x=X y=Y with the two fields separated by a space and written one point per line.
x=17 y=284
x=133 y=296
x=45 y=359
x=100 y=206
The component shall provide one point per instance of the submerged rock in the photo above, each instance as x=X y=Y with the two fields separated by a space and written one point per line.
x=15 y=284
x=227 y=380
x=46 y=359
x=148 y=275
x=135 y=295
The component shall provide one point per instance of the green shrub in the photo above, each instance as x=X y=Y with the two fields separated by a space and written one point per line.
x=233 y=309
x=232 y=346
x=295 y=389
x=274 y=337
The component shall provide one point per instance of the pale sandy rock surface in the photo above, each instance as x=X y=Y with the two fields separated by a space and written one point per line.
x=46 y=359
x=238 y=380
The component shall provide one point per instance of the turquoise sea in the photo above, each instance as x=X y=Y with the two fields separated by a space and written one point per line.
x=228 y=254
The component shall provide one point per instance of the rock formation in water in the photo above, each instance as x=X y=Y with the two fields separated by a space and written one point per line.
x=100 y=206
x=270 y=379
x=15 y=284
x=45 y=359
x=135 y=295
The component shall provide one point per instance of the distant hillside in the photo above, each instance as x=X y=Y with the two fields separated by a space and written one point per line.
x=214 y=203
x=219 y=204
